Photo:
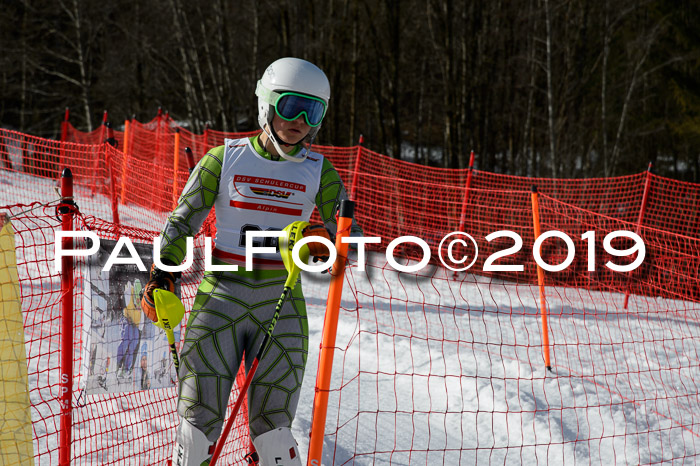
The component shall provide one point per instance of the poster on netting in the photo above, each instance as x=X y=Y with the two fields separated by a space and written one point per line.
x=123 y=350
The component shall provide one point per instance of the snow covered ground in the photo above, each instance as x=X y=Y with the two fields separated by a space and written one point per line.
x=431 y=370
x=452 y=372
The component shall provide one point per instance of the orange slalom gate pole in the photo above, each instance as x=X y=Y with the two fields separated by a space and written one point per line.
x=540 y=280
x=176 y=164
x=330 y=328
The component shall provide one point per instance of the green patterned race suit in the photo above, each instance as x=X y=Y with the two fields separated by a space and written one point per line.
x=231 y=313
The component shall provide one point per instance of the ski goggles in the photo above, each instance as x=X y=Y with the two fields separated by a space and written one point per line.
x=291 y=105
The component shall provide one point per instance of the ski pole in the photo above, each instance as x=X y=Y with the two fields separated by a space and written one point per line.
x=292 y=235
x=169 y=310
x=173 y=350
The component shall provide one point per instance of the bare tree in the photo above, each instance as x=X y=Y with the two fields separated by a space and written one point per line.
x=562 y=88
x=73 y=40
x=550 y=97
x=638 y=62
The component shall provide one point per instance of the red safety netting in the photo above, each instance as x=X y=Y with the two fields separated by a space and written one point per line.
x=431 y=366
x=442 y=369
x=114 y=428
x=442 y=191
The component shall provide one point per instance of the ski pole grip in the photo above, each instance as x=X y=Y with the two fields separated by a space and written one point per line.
x=347 y=208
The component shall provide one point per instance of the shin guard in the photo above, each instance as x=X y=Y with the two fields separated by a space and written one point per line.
x=277 y=447
x=192 y=447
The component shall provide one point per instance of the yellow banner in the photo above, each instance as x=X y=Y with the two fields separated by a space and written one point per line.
x=15 y=418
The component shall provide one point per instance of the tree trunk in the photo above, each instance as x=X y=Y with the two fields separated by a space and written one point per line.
x=528 y=148
x=395 y=27
x=604 y=87
x=353 y=75
x=419 y=115
x=190 y=98
x=550 y=97
x=648 y=39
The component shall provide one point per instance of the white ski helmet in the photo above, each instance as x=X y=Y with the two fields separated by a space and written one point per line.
x=296 y=76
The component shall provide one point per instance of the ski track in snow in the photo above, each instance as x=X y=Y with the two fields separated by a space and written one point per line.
x=426 y=370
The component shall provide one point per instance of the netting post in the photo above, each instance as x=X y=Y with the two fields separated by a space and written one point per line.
x=206 y=138
x=110 y=135
x=330 y=327
x=176 y=164
x=190 y=159
x=642 y=209
x=540 y=279
x=110 y=170
x=102 y=128
x=353 y=193
x=127 y=127
x=467 y=186
x=155 y=203
x=64 y=138
x=95 y=163
x=66 y=380
x=64 y=125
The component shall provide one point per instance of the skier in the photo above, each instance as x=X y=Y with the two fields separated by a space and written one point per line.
x=130 y=333
x=260 y=183
x=102 y=378
x=145 y=378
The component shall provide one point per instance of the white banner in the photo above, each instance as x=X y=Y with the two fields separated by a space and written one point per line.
x=124 y=350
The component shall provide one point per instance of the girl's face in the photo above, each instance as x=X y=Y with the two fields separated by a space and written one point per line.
x=291 y=132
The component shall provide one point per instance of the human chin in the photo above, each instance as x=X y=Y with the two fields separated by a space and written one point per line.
x=295 y=136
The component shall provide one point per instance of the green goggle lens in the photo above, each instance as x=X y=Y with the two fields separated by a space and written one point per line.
x=290 y=106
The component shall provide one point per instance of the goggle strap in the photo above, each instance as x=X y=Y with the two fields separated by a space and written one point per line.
x=266 y=94
x=271 y=97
